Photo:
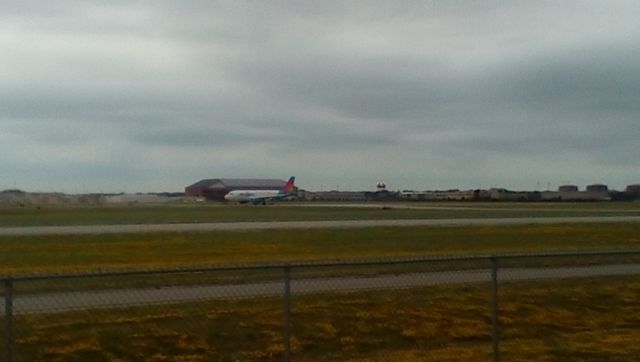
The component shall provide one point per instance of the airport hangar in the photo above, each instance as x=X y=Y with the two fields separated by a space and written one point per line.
x=216 y=188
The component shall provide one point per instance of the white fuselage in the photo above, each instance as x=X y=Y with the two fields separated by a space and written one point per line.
x=253 y=195
x=262 y=196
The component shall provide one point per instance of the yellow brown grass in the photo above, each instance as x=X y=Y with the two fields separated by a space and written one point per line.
x=578 y=319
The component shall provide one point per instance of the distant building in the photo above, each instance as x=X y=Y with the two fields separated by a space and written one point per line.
x=633 y=189
x=215 y=189
x=501 y=194
x=568 y=188
x=381 y=195
x=13 y=197
x=569 y=192
x=18 y=197
x=596 y=192
x=447 y=195
x=137 y=199
x=416 y=195
x=337 y=196
x=597 y=188
x=550 y=196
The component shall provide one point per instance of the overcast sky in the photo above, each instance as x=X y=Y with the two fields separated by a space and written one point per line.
x=143 y=96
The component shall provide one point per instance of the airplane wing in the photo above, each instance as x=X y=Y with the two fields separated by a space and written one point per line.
x=258 y=200
x=263 y=200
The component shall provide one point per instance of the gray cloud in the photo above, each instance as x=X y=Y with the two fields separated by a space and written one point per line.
x=421 y=94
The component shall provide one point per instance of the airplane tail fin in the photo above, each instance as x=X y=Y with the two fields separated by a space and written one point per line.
x=289 y=186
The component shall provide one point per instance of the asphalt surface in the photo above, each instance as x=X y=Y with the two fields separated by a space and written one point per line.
x=79 y=301
x=537 y=207
x=249 y=226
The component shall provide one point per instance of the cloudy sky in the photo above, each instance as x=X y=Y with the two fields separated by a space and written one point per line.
x=154 y=95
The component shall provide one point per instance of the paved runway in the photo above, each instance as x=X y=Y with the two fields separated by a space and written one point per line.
x=537 y=207
x=248 y=226
x=70 y=301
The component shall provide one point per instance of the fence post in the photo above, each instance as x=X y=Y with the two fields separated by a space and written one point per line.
x=287 y=313
x=495 y=331
x=8 y=319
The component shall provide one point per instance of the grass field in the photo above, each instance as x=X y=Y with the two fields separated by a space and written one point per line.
x=586 y=319
x=161 y=214
x=595 y=319
x=53 y=254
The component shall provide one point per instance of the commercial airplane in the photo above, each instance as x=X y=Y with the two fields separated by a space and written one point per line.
x=261 y=196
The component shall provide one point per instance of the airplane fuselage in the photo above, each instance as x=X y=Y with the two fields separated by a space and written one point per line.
x=261 y=196
x=243 y=196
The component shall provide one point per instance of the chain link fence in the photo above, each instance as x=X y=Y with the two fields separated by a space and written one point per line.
x=581 y=306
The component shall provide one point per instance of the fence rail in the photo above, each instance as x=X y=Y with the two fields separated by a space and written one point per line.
x=349 y=308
